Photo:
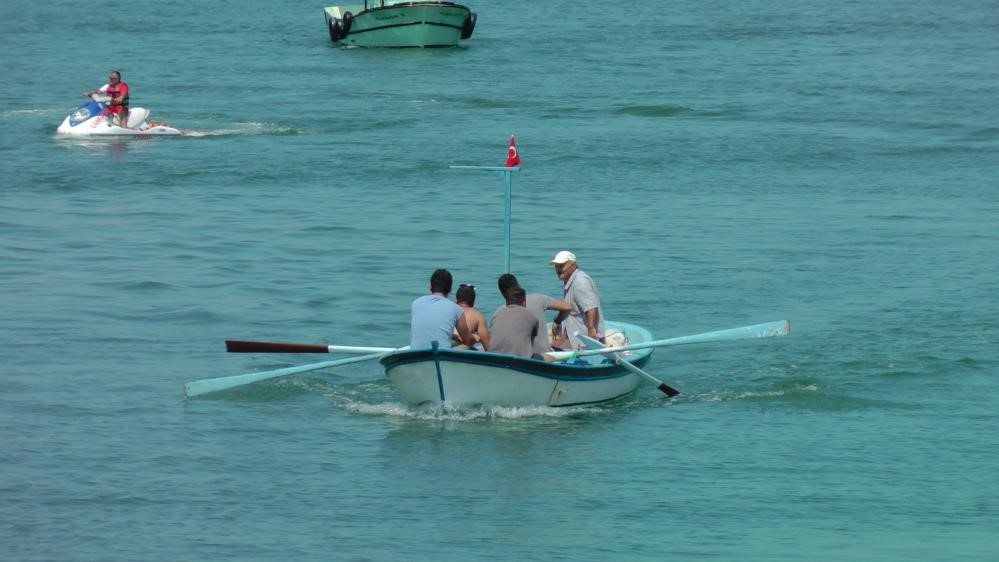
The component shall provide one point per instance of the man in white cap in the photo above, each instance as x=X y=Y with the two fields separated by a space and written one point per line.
x=586 y=317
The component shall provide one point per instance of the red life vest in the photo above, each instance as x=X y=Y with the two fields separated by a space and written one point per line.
x=120 y=89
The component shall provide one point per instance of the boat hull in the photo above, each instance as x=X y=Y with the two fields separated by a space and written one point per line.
x=473 y=377
x=90 y=120
x=403 y=24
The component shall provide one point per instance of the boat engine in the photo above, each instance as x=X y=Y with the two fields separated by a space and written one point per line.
x=469 y=26
x=339 y=28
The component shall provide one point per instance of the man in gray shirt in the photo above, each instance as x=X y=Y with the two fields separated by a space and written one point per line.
x=514 y=328
x=537 y=303
x=585 y=315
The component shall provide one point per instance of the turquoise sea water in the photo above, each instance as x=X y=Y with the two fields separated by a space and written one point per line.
x=713 y=165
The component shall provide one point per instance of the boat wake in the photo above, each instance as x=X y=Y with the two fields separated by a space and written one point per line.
x=451 y=412
x=32 y=112
x=235 y=129
x=378 y=399
x=798 y=395
x=245 y=129
x=789 y=391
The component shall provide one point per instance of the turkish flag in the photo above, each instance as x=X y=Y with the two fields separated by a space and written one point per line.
x=512 y=156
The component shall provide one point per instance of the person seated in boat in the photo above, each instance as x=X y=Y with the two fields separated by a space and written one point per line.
x=585 y=315
x=117 y=91
x=465 y=298
x=537 y=303
x=514 y=327
x=435 y=317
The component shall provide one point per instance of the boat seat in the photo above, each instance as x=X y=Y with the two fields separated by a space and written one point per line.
x=136 y=116
x=615 y=338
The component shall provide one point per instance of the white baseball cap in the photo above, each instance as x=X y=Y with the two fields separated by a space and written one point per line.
x=563 y=256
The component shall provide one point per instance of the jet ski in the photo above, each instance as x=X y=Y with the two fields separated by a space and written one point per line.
x=93 y=119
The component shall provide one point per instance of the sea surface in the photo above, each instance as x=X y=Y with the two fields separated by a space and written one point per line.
x=712 y=164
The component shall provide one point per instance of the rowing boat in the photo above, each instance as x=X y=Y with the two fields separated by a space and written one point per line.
x=468 y=377
x=473 y=377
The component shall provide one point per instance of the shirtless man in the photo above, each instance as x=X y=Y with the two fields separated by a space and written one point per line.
x=476 y=322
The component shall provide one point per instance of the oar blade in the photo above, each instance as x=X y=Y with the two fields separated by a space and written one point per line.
x=669 y=390
x=593 y=344
x=206 y=386
x=765 y=330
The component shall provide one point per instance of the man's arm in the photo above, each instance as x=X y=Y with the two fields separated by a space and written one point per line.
x=561 y=306
x=557 y=323
x=591 y=322
x=482 y=332
x=89 y=93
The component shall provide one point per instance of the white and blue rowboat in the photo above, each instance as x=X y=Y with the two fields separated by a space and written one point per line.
x=468 y=377
x=479 y=377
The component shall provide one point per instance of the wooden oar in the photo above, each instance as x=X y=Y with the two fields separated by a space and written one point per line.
x=243 y=346
x=204 y=386
x=765 y=330
x=617 y=359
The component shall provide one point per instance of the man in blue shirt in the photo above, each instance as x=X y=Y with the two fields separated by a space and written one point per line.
x=435 y=317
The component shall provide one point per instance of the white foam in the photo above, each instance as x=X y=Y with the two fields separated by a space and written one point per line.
x=452 y=412
x=249 y=128
x=770 y=393
x=16 y=112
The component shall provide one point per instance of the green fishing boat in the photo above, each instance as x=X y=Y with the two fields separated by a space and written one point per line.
x=399 y=24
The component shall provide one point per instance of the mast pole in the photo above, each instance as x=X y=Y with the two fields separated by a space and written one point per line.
x=507 y=175
x=507 y=213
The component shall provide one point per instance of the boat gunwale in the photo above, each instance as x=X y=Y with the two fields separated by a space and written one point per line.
x=374 y=9
x=560 y=370
x=417 y=4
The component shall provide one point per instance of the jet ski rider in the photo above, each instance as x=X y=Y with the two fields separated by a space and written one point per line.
x=118 y=92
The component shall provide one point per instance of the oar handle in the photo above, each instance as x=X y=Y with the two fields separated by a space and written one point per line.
x=243 y=346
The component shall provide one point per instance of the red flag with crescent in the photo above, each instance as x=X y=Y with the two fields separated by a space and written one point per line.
x=512 y=156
